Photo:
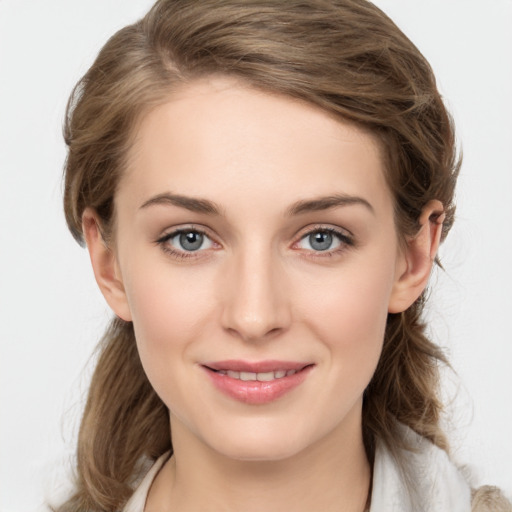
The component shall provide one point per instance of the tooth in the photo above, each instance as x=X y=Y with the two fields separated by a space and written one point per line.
x=247 y=376
x=265 y=377
x=262 y=376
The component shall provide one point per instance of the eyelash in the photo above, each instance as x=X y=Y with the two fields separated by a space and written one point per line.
x=180 y=255
x=346 y=241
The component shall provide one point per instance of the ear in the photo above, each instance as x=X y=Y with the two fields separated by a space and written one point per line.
x=105 y=266
x=415 y=262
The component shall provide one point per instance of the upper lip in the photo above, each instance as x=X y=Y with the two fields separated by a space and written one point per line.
x=256 y=366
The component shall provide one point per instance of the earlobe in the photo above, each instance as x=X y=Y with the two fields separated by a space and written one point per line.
x=105 y=267
x=417 y=259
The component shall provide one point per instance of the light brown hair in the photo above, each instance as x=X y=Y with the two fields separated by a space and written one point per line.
x=346 y=57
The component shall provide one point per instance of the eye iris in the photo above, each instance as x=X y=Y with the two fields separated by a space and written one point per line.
x=191 y=241
x=321 y=240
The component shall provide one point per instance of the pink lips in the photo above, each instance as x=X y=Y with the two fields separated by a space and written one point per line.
x=277 y=379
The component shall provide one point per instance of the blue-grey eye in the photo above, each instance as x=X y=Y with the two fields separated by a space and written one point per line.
x=190 y=241
x=321 y=240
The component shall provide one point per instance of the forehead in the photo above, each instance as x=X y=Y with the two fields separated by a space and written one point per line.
x=223 y=138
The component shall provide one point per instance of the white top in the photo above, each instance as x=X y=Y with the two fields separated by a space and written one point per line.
x=435 y=482
x=137 y=501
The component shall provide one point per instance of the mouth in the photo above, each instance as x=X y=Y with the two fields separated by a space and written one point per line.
x=260 y=376
x=257 y=383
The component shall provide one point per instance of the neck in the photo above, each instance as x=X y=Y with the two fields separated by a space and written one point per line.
x=331 y=475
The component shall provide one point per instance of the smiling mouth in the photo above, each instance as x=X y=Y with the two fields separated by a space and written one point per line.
x=253 y=376
x=257 y=383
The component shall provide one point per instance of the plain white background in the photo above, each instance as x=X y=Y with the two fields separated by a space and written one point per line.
x=51 y=314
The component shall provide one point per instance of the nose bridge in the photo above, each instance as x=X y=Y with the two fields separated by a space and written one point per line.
x=256 y=306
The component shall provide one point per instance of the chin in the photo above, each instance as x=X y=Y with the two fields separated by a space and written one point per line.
x=261 y=443
x=260 y=452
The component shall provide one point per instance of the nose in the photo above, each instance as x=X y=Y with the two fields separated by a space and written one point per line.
x=255 y=300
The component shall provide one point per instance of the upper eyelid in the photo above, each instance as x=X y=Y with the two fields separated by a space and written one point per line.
x=170 y=232
x=324 y=227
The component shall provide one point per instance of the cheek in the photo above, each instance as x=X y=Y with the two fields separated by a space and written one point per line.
x=169 y=311
x=349 y=314
x=352 y=300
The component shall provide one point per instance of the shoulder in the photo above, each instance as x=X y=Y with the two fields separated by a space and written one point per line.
x=489 y=499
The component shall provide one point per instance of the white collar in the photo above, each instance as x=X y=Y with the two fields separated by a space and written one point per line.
x=434 y=484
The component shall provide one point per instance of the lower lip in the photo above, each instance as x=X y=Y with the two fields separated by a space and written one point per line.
x=254 y=392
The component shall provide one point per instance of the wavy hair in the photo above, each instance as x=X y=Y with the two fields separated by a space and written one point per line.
x=344 y=56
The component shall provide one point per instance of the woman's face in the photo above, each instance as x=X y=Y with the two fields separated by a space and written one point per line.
x=256 y=246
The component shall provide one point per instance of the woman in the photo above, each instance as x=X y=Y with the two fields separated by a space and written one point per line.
x=262 y=187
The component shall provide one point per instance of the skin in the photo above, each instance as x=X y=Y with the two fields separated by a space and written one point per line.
x=257 y=289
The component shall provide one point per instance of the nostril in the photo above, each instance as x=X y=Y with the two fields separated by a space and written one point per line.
x=254 y=333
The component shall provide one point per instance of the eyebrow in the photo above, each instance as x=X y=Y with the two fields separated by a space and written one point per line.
x=189 y=203
x=326 y=203
x=206 y=206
